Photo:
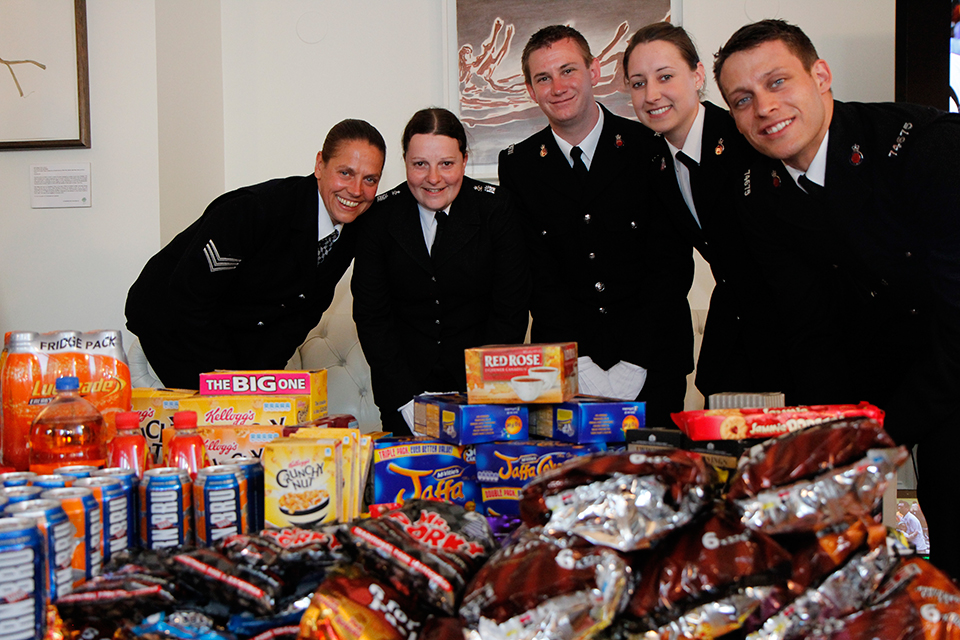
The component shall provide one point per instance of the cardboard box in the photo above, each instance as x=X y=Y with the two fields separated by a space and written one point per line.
x=302 y=482
x=588 y=419
x=350 y=444
x=156 y=408
x=244 y=410
x=428 y=468
x=451 y=418
x=522 y=373
x=225 y=443
x=310 y=385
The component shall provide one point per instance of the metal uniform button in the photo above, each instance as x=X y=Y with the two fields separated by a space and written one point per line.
x=437 y=301
x=544 y=232
x=301 y=296
x=603 y=310
x=260 y=324
x=434 y=279
x=873 y=294
x=599 y=286
x=438 y=322
x=591 y=255
x=914 y=312
x=586 y=218
x=633 y=225
x=908 y=254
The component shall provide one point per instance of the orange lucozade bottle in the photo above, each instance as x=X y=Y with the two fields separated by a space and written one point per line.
x=186 y=450
x=128 y=449
x=68 y=431
x=21 y=373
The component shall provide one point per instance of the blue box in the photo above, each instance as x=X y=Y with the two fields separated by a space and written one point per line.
x=450 y=418
x=588 y=419
x=412 y=468
x=503 y=468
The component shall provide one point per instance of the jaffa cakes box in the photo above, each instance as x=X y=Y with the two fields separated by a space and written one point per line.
x=309 y=386
x=449 y=417
x=302 y=479
x=156 y=408
x=243 y=410
x=588 y=419
x=503 y=468
x=522 y=373
x=428 y=468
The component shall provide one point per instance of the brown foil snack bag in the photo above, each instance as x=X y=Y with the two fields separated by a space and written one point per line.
x=806 y=453
x=354 y=605
x=710 y=558
x=625 y=500
x=542 y=587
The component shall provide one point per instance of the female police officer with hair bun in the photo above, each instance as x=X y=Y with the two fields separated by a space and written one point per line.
x=440 y=267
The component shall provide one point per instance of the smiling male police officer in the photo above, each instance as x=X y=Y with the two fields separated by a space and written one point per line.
x=856 y=215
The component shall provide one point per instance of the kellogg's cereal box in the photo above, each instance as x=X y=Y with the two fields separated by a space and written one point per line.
x=311 y=386
x=531 y=373
x=588 y=419
x=156 y=408
x=224 y=443
x=427 y=468
x=244 y=410
x=450 y=418
x=350 y=441
x=302 y=481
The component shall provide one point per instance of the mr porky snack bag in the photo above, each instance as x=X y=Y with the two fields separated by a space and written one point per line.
x=29 y=373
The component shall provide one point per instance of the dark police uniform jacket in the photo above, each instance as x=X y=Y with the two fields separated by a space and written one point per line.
x=417 y=312
x=736 y=327
x=239 y=288
x=868 y=282
x=610 y=271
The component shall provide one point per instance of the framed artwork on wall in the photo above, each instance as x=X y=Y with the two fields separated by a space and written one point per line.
x=485 y=39
x=44 y=85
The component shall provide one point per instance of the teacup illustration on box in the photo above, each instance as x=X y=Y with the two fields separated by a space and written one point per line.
x=527 y=387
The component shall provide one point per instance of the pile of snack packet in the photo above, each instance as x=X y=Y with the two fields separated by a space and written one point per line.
x=622 y=545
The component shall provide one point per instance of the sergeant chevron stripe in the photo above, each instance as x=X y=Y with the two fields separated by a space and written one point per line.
x=216 y=262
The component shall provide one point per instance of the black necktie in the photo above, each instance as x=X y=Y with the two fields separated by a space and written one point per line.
x=694 y=170
x=815 y=191
x=325 y=246
x=441 y=218
x=579 y=167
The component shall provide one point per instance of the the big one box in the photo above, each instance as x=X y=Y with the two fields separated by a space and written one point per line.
x=523 y=373
x=309 y=386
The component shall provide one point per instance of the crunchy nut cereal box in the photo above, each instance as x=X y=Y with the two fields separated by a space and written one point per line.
x=302 y=481
x=309 y=386
x=156 y=408
x=522 y=373
x=243 y=410
x=350 y=438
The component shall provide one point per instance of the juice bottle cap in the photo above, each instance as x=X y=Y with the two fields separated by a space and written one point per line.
x=185 y=420
x=68 y=383
x=128 y=420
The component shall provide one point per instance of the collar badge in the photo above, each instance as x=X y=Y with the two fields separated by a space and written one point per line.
x=543 y=151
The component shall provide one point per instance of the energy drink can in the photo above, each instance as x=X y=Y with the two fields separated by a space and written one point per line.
x=75 y=471
x=131 y=489
x=253 y=471
x=220 y=502
x=84 y=513
x=17 y=478
x=22 y=580
x=50 y=481
x=166 y=508
x=109 y=494
x=20 y=494
x=56 y=530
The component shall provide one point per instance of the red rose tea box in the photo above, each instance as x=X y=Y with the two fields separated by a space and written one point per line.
x=522 y=373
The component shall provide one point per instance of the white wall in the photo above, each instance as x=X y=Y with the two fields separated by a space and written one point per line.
x=289 y=71
x=71 y=268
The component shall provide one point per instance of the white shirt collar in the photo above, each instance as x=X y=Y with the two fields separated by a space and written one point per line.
x=817 y=171
x=428 y=224
x=325 y=224
x=693 y=145
x=588 y=145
